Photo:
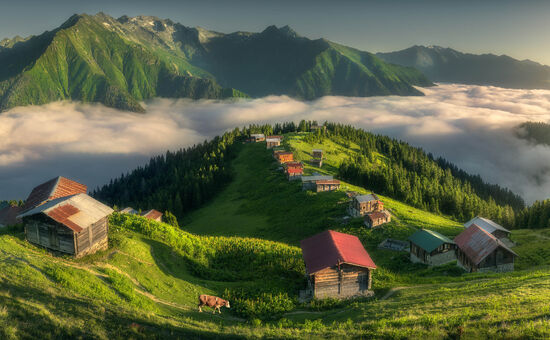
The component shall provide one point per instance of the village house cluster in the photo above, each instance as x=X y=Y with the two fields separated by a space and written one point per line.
x=371 y=208
x=482 y=246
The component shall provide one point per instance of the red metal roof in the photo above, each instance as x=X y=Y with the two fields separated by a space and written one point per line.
x=152 y=214
x=62 y=213
x=52 y=189
x=329 y=248
x=477 y=243
x=295 y=170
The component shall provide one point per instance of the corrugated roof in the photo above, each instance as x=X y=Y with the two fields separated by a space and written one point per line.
x=316 y=178
x=477 y=243
x=366 y=198
x=330 y=248
x=429 y=240
x=272 y=140
x=485 y=224
x=52 y=189
x=152 y=214
x=376 y=215
x=76 y=212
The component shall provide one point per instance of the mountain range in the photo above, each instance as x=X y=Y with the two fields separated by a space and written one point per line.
x=441 y=64
x=120 y=62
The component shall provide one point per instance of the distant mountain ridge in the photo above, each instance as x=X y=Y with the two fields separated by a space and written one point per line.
x=442 y=64
x=120 y=62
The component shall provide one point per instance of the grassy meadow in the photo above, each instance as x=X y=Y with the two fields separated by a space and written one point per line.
x=243 y=246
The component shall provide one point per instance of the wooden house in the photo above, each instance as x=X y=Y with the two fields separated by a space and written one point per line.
x=309 y=182
x=153 y=215
x=377 y=218
x=317 y=153
x=129 y=210
x=480 y=251
x=431 y=248
x=77 y=225
x=257 y=137
x=279 y=137
x=285 y=157
x=489 y=226
x=337 y=266
x=363 y=204
x=272 y=142
x=327 y=185
x=294 y=170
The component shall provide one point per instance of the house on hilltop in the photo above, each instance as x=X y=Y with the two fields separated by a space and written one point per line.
x=272 y=142
x=337 y=266
x=489 y=226
x=77 y=225
x=362 y=204
x=309 y=182
x=377 y=218
x=153 y=214
x=480 y=251
x=257 y=137
x=431 y=248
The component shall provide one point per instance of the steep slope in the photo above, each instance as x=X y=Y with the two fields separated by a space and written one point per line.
x=119 y=62
x=83 y=60
x=447 y=65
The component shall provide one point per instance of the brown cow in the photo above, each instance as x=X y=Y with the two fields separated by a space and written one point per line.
x=212 y=301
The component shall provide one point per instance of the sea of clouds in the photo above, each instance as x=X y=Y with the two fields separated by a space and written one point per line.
x=472 y=126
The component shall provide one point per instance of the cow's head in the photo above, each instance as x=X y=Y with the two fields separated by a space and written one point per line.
x=226 y=304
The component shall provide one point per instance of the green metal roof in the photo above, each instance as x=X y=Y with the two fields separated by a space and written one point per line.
x=429 y=240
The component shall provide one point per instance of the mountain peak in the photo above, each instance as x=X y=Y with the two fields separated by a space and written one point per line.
x=285 y=31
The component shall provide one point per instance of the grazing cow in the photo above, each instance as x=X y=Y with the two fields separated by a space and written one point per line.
x=212 y=301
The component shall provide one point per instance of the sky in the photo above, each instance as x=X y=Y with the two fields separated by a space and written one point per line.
x=474 y=127
x=516 y=28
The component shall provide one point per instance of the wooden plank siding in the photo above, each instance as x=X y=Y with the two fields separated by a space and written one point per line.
x=346 y=282
x=50 y=234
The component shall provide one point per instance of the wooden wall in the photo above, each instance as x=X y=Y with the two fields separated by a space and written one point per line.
x=87 y=238
x=50 y=234
x=349 y=281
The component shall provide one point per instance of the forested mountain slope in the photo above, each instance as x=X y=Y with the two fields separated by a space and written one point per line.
x=120 y=62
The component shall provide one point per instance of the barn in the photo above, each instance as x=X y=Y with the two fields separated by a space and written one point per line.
x=377 y=218
x=363 y=204
x=480 y=251
x=52 y=189
x=153 y=214
x=337 y=266
x=489 y=226
x=431 y=248
x=75 y=225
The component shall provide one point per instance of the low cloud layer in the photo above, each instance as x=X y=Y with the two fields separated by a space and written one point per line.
x=472 y=126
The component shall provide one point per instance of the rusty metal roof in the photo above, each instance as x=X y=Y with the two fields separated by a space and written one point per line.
x=152 y=214
x=485 y=224
x=330 y=248
x=76 y=212
x=52 y=189
x=376 y=215
x=477 y=243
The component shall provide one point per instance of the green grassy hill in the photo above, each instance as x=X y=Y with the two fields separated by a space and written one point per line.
x=120 y=62
x=243 y=246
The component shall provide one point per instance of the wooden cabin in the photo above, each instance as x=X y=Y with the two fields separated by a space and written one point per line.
x=489 y=226
x=327 y=185
x=279 y=137
x=317 y=153
x=257 y=137
x=272 y=142
x=431 y=248
x=377 y=218
x=480 y=251
x=337 y=266
x=77 y=225
x=285 y=157
x=363 y=204
x=309 y=182
x=153 y=214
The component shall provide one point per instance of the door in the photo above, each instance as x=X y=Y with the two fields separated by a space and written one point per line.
x=54 y=240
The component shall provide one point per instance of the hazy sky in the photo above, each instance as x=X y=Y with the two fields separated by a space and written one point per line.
x=517 y=28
